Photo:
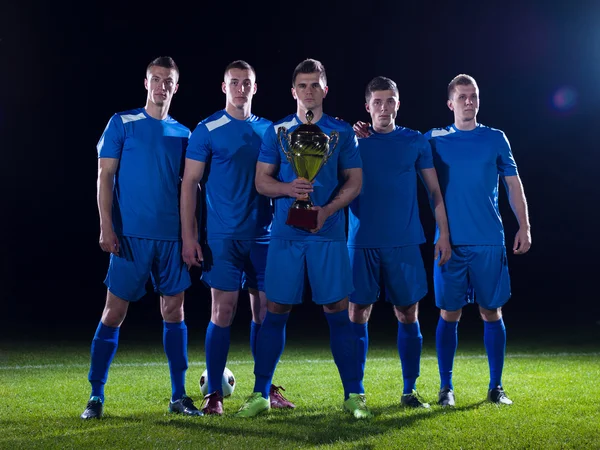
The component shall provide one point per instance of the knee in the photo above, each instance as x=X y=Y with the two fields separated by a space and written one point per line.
x=451 y=316
x=171 y=308
x=278 y=308
x=359 y=313
x=407 y=314
x=115 y=311
x=490 y=315
x=337 y=306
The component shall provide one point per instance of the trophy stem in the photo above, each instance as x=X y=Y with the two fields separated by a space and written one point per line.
x=303 y=203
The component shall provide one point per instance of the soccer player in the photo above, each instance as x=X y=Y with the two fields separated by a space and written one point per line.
x=222 y=154
x=139 y=166
x=319 y=253
x=469 y=157
x=385 y=229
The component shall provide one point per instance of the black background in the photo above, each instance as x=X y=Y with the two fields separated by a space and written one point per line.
x=66 y=68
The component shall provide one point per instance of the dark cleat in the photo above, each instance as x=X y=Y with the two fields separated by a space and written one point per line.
x=213 y=404
x=277 y=399
x=446 y=397
x=498 y=396
x=413 y=400
x=184 y=406
x=93 y=410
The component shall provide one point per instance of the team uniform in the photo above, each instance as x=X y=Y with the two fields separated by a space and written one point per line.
x=468 y=164
x=146 y=220
x=238 y=219
x=295 y=253
x=384 y=234
x=384 y=228
x=146 y=203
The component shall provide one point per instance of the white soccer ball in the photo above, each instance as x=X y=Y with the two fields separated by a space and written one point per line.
x=227 y=382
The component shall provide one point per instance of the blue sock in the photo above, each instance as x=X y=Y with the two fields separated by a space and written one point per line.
x=269 y=348
x=362 y=331
x=104 y=347
x=410 y=344
x=344 y=348
x=494 y=339
x=217 y=348
x=175 y=341
x=254 y=327
x=446 y=342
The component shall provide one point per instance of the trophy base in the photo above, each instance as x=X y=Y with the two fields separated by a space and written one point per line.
x=301 y=215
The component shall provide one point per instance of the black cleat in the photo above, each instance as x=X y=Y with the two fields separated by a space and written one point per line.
x=498 y=396
x=446 y=397
x=184 y=406
x=413 y=400
x=93 y=410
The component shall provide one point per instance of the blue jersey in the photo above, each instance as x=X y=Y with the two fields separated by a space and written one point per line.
x=468 y=164
x=146 y=190
x=386 y=213
x=230 y=147
x=345 y=156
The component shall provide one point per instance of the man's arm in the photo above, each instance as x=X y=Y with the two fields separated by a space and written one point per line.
x=267 y=185
x=107 y=167
x=193 y=173
x=348 y=192
x=430 y=179
x=518 y=203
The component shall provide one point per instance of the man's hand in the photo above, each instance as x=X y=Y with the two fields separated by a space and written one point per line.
x=361 y=129
x=299 y=188
x=192 y=253
x=322 y=215
x=443 y=250
x=522 y=241
x=108 y=241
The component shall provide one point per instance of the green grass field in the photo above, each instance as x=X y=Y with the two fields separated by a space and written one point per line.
x=44 y=388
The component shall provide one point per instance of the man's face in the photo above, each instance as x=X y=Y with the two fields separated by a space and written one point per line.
x=464 y=103
x=309 y=90
x=161 y=84
x=239 y=87
x=383 y=107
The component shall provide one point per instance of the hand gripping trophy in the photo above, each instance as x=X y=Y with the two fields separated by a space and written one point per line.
x=307 y=149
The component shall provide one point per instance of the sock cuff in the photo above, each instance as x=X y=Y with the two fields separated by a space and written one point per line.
x=106 y=332
x=447 y=324
x=495 y=324
x=409 y=329
x=276 y=318
x=175 y=325
x=338 y=318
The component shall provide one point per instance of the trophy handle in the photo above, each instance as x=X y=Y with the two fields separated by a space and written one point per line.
x=334 y=139
x=282 y=134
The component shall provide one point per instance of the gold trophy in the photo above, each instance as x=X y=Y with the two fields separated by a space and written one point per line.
x=307 y=149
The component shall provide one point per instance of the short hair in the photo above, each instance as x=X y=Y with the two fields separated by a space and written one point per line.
x=380 y=84
x=163 y=61
x=239 y=64
x=460 y=80
x=310 y=66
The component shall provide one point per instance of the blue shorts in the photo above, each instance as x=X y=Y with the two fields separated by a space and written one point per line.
x=140 y=259
x=231 y=265
x=473 y=273
x=399 y=270
x=326 y=264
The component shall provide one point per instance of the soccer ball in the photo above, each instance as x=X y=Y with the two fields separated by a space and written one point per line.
x=227 y=382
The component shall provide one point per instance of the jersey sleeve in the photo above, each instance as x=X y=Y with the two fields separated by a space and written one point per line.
x=505 y=161
x=199 y=148
x=349 y=152
x=269 y=148
x=425 y=159
x=111 y=142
